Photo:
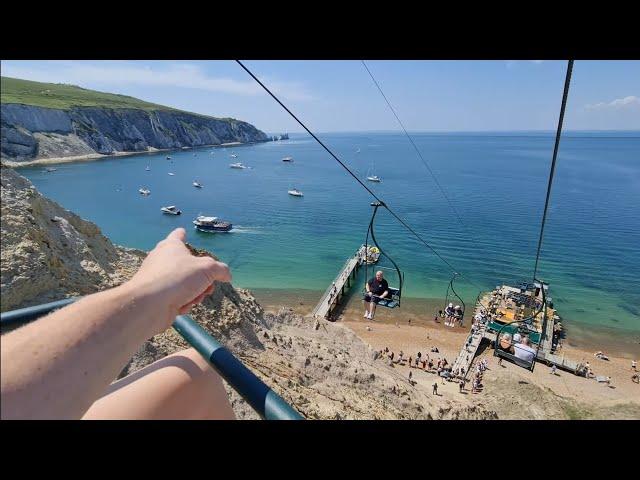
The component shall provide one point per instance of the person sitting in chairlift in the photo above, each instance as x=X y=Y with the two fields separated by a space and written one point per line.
x=449 y=313
x=524 y=351
x=377 y=289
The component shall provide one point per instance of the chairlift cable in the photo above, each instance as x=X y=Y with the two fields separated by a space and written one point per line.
x=347 y=168
x=565 y=94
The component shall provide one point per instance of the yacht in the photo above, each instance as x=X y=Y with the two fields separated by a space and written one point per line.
x=295 y=192
x=237 y=165
x=147 y=168
x=211 y=224
x=371 y=173
x=144 y=191
x=171 y=173
x=197 y=184
x=287 y=159
x=168 y=157
x=171 y=210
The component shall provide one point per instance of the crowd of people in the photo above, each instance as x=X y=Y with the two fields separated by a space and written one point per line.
x=436 y=365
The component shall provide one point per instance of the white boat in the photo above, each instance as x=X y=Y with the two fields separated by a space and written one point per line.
x=233 y=155
x=371 y=176
x=287 y=159
x=51 y=169
x=237 y=165
x=168 y=157
x=171 y=210
x=196 y=184
x=147 y=168
x=358 y=150
x=170 y=173
x=295 y=193
x=144 y=191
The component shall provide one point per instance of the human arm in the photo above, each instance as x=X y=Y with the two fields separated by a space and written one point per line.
x=58 y=366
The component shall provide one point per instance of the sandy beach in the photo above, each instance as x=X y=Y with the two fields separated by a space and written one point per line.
x=98 y=156
x=513 y=392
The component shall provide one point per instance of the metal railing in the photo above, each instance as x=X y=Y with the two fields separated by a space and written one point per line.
x=262 y=399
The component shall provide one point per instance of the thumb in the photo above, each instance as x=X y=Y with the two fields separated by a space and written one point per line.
x=179 y=234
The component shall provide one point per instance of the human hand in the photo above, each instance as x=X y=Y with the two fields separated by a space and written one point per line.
x=172 y=277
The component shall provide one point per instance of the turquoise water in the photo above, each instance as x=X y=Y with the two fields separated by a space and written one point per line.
x=497 y=182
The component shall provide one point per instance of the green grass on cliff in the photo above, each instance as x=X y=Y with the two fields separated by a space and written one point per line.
x=61 y=96
x=64 y=97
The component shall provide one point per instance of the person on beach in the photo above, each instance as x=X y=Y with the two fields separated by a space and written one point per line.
x=435 y=388
x=377 y=288
x=634 y=365
x=89 y=342
x=553 y=369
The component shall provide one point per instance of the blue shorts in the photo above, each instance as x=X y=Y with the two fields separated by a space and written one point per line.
x=375 y=300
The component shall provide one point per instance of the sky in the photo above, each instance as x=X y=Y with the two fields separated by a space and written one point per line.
x=337 y=96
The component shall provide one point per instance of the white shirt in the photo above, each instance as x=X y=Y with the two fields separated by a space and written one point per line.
x=524 y=352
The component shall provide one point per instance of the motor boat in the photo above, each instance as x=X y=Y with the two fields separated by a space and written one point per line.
x=233 y=155
x=168 y=157
x=147 y=168
x=145 y=191
x=295 y=193
x=51 y=169
x=211 y=224
x=287 y=159
x=171 y=173
x=171 y=210
x=237 y=165
x=374 y=178
x=196 y=184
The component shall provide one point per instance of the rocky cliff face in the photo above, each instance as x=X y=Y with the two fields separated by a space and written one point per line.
x=49 y=253
x=323 y=370
x=30 y=132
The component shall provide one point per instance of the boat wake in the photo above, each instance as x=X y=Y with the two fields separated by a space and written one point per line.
x=248 y=230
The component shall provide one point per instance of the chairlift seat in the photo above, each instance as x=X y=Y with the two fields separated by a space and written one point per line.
x=513 y=359
x=390 y=302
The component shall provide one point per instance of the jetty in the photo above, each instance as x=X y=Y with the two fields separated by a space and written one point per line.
x=341 y=283
x=485 y=331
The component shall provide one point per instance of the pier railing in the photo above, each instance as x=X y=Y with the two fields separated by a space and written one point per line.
x=262 y=399
x=326 y=300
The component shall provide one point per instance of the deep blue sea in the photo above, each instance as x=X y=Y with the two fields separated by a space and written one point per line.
x=496 y=181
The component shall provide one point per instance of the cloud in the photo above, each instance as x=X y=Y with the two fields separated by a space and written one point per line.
x=619 y=103
x=175 y=74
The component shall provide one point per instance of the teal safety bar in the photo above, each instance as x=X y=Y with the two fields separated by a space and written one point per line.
x=262 y=399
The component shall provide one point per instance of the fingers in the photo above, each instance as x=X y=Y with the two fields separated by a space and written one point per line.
x=215 y=270
x=197 y=300
x=178 y=234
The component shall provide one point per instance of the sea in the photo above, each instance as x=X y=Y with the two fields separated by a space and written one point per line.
x=485 y=229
